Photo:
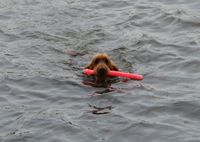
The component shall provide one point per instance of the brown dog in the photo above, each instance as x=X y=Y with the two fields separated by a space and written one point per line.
x=101 y=64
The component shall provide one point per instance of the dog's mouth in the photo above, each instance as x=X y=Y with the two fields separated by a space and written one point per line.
x=102 y=72
x=101 y=78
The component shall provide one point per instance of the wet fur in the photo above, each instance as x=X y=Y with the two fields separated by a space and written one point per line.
x=101 y=64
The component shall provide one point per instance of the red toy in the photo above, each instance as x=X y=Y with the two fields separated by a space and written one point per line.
x=117 y=73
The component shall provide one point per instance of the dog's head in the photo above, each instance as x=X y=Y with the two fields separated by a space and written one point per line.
x=101 y=64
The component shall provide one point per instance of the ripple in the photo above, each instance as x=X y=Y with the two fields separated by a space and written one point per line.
x=46 y=44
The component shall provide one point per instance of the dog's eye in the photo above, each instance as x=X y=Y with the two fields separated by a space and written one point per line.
x=96 y=61
x=106 y=61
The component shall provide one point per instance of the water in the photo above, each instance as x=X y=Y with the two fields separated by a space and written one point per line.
x=46 y=43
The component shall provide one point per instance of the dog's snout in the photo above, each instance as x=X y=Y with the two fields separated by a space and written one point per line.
x=102 y=71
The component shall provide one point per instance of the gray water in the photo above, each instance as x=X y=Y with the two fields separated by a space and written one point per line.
x=44 y=44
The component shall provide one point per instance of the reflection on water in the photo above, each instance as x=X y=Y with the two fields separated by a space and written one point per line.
x=45 y=44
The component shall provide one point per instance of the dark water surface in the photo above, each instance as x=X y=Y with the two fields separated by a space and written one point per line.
x=44 y=44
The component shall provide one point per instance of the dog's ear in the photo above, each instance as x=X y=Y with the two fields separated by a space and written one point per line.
x=90 y=65
x=112 y=66
x=93 y=63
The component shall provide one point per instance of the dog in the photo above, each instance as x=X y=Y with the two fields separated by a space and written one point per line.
x=101 y=64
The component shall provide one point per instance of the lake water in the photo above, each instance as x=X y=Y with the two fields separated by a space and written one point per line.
x=44 y=44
